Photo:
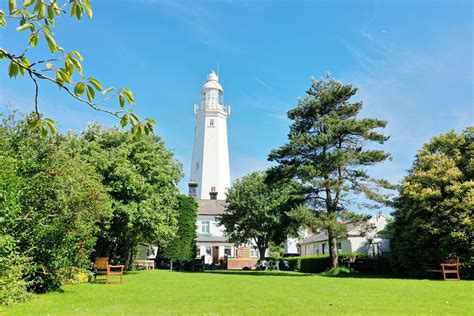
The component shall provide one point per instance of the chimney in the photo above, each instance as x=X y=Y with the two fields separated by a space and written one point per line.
x=213 y=193
x=192 y=185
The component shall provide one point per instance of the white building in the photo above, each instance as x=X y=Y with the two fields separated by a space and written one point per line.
x=357 y=240
x=210 y=172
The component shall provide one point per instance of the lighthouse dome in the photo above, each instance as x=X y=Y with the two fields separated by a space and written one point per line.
x=212 y=82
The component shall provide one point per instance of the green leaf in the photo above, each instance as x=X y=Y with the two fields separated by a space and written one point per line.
x=77 y=64
x=73 y=9
x=51 y=43
x=33 y=39
x=128 y=95
x=41 y=10
x=33 y=124
x=13 y=69
x=134 y=117
x=69 y=67
x=90 y=93
x=95 y=83
x=11 y=5
x=79 y=12
x=79 y=89
x=27 y=3
x=51 y=13
x=64 y=75
x=121 y=101
x=107 y=90
x=51 y=126
x=44 y=131
x=3 y=22
x=25 y=26
x=76 y=53
x=124 y=120
x=88 y=8
x=2 y=55
x=151 y=121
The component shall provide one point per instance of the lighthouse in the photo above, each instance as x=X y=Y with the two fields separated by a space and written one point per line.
x=210 y=173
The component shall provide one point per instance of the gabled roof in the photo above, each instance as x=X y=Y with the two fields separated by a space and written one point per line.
x=352 y=231
x=211 y=207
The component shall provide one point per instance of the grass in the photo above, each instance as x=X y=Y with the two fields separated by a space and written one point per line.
x=254 y=292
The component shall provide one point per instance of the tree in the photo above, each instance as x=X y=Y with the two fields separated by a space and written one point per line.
x=327 y=152
x=38 y=17
x=435 y=208
x=183 y=246
x=141 y=176
x=49 y=206
x=256 y=210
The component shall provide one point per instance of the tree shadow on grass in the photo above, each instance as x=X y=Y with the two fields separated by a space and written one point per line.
x=259 y=273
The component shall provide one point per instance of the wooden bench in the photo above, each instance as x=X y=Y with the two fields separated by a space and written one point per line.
x=147 y=264
x=102 y=267
x=449 y=267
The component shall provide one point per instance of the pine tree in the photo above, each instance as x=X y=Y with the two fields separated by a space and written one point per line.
x=327 y=152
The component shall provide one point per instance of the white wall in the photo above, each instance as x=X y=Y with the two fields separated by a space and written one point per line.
x=214 y=229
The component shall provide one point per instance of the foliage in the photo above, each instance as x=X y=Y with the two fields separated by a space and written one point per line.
x=435 y=209
x=327 y=153
x=13 y=288
x=317 y=263
x=58 y=199
x=182 y=246
x=256 y=210
x=36 y=21
x=140 y=176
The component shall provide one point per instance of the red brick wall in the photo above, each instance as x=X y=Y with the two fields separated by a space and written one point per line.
x=239 y=264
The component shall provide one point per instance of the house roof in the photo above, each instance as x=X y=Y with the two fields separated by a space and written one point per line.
x=211 y=207
x=352 y=231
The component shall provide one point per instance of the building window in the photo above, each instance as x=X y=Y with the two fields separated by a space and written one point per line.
x=197 y=165
x=205 y=225
x=339 y=247
x=211 y=122
x=227 y=251
x=324 y=248
x=208 y=251
x=254 y=252
x=315 y=249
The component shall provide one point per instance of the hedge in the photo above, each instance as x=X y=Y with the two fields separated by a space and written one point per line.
x=317 y=264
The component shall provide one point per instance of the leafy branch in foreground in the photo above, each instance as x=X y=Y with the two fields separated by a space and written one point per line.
x=63 y=68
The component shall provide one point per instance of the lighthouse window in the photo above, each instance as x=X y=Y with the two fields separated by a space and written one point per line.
x=197 y=165
x=221 y=98
x=211 y=122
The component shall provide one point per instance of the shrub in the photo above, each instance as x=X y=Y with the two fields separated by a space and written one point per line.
x=12 y=269
x=317 y=263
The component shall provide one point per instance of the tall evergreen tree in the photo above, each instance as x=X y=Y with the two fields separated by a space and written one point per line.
x=327 y=152
x=182 y=246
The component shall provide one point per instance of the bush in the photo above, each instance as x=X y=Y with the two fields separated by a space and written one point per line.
x=12 y=268
x=316 y=264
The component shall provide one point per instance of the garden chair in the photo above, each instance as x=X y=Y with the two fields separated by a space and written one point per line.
x=450 y=266
x=103 y=267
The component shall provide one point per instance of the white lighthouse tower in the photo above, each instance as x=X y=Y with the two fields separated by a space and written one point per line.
x=210 y=174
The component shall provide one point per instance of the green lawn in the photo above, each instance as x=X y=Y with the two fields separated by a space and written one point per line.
x=249 y=292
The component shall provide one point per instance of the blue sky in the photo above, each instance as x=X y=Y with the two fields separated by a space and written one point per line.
x=412 y=62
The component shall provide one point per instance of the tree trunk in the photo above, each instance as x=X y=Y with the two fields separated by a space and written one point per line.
x=261 y=251
x=171 y=265
x=333 y=258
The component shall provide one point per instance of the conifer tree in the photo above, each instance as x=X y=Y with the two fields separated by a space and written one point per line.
x=327 y=152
